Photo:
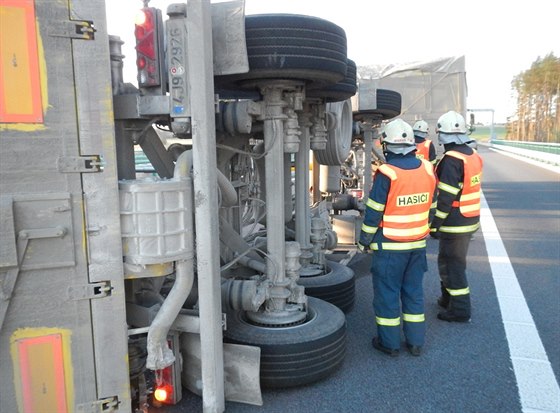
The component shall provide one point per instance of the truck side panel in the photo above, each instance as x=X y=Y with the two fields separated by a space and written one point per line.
x=63 y=340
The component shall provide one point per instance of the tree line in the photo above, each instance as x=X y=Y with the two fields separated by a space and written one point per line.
x=537 y=116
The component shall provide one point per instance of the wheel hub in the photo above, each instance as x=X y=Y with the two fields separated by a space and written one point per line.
x=291 y=316
x=312 y=270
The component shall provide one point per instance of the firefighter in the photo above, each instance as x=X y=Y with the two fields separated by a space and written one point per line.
x=457 y=215
x=425 y=148
x=395 y=228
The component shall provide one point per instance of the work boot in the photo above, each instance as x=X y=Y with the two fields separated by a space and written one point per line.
x=414 y=350
x=443 y=301
x=378 y=346
x=448 y=316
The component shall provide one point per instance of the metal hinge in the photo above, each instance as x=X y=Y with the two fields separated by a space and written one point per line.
x=74 y=29
x=90 y=291
x=80 y=164
x=109 y=404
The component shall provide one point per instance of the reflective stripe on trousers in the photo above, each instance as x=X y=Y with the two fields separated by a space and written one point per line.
x=452 y=265
x=398 y=246
x=397 y=279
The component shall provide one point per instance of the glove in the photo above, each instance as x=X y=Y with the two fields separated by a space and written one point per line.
x=434 y=233
x=363 y=248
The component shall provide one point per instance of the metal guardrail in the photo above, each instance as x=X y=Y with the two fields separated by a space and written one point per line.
x=533 y=146
x=542 y=152
x=143 y=165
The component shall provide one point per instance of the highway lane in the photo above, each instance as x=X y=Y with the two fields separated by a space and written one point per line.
x=525 y=202
x=465 y=367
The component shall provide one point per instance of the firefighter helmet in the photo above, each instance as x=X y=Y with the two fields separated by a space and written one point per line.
x=397 y=137
x=398 y=132
x=451 y=122
x=451 y=128
x=421 y=126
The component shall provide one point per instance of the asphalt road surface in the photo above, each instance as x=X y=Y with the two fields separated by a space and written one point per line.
x=506 y=360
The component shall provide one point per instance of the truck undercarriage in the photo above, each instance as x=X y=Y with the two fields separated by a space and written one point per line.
x=212 y=269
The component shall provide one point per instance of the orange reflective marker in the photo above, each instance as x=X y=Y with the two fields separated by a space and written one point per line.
x=20 y=84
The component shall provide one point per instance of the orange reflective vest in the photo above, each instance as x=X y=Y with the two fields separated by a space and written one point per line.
x=408 y=202
x=423 y=150
x=469 y=198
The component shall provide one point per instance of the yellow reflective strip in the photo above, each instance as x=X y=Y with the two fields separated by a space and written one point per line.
x=458 y=230
x=433 y=162
x=406 y=218
x=470 y=197
x=434 y=204
x=375 y=205
x=388 y=171
x=405 y=232
x=428 y=167
x=460 y=291
x=392 y=322
x=368 y=229
x=470 y=208
x=398 y=246
x=414 y=318
x=440 y=214
x=457 y=155
x=448 y=188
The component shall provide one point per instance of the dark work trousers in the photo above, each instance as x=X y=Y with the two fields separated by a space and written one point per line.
x=452 y=264
x=397 y=277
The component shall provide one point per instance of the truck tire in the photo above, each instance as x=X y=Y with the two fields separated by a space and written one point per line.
x=337 y=286
x=340 y=91
x=339 y=138
x=295 y=355
x=389 y=105
x=290 y=46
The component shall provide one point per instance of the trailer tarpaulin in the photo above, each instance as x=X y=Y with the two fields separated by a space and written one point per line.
x=428 y=88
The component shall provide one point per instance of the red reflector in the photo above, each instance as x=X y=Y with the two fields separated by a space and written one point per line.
x=141 y=63
x=146 y=46
x=164 y=386
x=145 y=33
x=139 y=32
x=357 y=193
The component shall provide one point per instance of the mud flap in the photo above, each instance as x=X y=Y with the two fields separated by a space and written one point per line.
x=241 y=370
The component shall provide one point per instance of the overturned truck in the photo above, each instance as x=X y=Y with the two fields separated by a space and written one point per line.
x=212 y=273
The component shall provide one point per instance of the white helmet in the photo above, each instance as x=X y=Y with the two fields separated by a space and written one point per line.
x=398 y=132
x=451 y=122
x=421 y=126
x=398 y=137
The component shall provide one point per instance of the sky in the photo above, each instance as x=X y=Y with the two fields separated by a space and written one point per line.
x=498 y=39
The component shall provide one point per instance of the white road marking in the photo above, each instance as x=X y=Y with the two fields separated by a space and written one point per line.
x=537 y=385
x=541 y=164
